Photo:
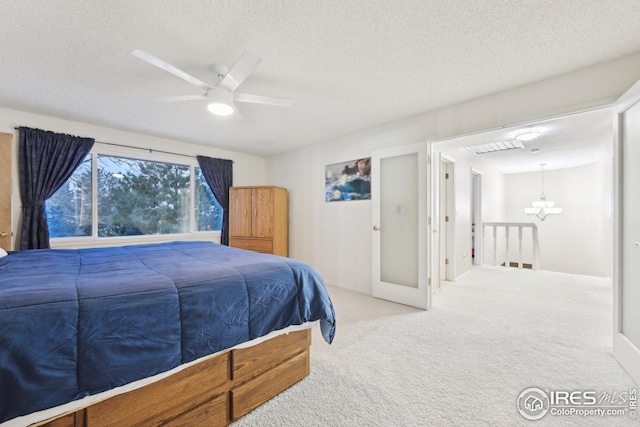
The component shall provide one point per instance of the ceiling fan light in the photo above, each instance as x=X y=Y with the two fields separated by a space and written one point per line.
x=221 y=102
x=220 y=109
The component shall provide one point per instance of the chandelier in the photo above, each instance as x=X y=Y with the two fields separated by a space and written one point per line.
x=543 y=208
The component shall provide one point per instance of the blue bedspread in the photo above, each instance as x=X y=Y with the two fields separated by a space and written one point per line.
x=78 y=322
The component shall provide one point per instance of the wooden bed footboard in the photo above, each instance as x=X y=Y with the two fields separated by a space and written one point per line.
x=212 y=393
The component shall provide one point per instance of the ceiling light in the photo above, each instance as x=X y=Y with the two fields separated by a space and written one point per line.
x=220 y=109
x=528 y=136
x=221 y=102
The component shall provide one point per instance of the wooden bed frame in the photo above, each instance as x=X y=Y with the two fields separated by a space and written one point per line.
x=214 y=392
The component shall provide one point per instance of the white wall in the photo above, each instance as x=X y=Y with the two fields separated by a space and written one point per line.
x=336 y=237
x=247 y=170
x=578 y=240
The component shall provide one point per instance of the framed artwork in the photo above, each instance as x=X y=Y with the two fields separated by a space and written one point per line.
x=348 y=180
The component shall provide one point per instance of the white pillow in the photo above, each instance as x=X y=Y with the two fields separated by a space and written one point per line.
x=3 y=253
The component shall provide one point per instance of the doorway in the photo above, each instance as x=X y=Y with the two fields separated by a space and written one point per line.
x=476 y=217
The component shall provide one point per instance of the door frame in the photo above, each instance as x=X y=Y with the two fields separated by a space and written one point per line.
x=623 y=349
x=416 y=297
x=446 y=207
x=6 y=192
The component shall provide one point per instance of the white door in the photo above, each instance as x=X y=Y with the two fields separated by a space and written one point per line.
x=626 y=262
x=399 y=196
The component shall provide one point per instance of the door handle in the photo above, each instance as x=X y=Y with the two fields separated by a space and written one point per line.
x=376 y=228
x=637 y=243
x=3 y=234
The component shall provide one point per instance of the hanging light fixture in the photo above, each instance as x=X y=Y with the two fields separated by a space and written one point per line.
x=543 y=208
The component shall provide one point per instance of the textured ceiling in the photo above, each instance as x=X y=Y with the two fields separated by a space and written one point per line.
x=349 y=65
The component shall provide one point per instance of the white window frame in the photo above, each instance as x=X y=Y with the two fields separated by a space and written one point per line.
x=136 y=154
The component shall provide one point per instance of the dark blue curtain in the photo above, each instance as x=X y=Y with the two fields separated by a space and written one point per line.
x=46 y=160
x=219 y=175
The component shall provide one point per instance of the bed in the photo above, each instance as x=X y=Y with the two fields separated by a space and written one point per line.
x=76 y=323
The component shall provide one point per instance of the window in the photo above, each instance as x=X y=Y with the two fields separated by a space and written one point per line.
x=134 y=197
x=69 y=209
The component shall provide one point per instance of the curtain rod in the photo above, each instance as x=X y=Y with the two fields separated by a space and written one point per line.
x=150 y=150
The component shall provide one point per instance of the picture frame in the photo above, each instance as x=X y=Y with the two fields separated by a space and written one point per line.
x=347 y=181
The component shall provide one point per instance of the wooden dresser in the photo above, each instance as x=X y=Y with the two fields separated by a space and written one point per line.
x=258 y=219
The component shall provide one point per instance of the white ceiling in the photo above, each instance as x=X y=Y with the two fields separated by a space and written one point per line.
x=348 y=64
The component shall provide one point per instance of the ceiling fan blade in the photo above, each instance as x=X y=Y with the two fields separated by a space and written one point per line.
x=245 y=65
x=184 y=98
x=154 y=60
x=259 y=99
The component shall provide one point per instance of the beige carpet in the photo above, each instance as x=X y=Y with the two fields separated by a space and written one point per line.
x=490 y=335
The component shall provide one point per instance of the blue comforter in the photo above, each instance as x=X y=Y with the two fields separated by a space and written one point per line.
x=78 y=322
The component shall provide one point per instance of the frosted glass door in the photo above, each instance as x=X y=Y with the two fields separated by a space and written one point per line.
x=399 y=220
x=399 y=199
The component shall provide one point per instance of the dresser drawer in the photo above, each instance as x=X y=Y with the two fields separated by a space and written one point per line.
x=258 y=245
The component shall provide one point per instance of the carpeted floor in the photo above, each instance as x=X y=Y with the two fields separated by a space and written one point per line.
x=490 y=335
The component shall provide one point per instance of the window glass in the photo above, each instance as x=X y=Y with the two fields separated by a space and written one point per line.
x=139 y=197
x=69 y=209
x=208 y=210
x=135 y=197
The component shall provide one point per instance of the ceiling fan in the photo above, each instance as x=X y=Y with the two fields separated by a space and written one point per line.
x=222 y=95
